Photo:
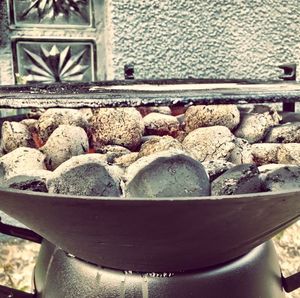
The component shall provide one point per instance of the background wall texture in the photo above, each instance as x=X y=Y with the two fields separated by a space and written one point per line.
x=215 y=39
x=177 y=38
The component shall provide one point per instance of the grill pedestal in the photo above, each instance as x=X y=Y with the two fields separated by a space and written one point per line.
x=256 y=274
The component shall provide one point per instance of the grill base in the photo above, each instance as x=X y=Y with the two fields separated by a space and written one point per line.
x=256 y=274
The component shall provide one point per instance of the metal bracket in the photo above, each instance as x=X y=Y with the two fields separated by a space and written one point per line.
x=289 y=74
x=129 y=72
x=18 y=232
x=291 y=283
x=6 y=292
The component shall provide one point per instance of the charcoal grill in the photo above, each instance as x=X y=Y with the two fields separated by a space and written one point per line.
x=173 y=247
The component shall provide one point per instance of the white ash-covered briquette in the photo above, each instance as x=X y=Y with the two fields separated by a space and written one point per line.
x=285 y=133
x=155 y=109
x=117 y=126
x=212 y=115
x=15 y=135
x=113 y=151
x=65 y=142
x=242 y=152
x=34 y=180
x=264 y=153
x=269 y=153
x=288 y=117
x=254 y=126
x=160 y=124
x=36 y=113
x=54 y=117
x=289 y=154
x=181 y=120
x=161 y=110
x=240 y=179
x=215 y=168
x=272 y=110
x=119 y=136
x=20 y=161
x=158 y=144
x=166 y=174
x=181 y=135
x=279 y=177
x=147 y=138
x=86 y=175
x=87 y=113
x=209 y=143
x=126 y=160
x=246 y=108
x=31 y=124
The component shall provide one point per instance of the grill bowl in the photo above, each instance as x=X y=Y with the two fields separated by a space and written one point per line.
x=164 y=235
x=150 y=235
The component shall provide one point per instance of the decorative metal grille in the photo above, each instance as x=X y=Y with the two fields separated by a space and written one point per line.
x=45 y=59
x=54 y=61
x=44 y=13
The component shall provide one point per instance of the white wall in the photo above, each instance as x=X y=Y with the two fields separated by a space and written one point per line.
x=181 y=38
x=210 y=38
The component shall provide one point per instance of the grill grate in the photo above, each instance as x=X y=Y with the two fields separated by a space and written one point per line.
x=148 y=93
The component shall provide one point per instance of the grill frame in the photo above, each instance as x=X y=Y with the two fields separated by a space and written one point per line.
x=103 y=94
x=124 y=93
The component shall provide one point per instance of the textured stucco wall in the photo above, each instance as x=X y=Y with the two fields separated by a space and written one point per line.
x=6 y=76
x=210 y=38
x=180 y=38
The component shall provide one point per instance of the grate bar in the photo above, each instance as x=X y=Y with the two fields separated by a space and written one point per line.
x=148 y=93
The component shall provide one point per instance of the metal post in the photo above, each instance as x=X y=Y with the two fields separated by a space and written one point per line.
x=129 y=72
x=289 y=74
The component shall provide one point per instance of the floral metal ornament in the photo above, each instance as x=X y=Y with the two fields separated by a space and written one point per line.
x=55 y=66
x=55 y=63
x=50 y=9
x=47 y=12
